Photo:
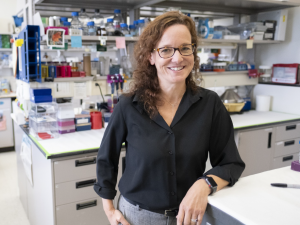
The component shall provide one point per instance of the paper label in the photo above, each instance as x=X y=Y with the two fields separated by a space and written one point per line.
x=283 y=18
x=249 y=44
x=76 y=41
x=56 y=37
x=103 y=40
x=82 y=121
x=120 y=42
x=80 y=90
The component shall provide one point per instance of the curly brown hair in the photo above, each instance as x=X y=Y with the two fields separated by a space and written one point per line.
x=145 y=83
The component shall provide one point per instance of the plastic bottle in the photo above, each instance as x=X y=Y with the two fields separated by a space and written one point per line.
x=132 y=30
x=117 y=19
x=97 y=18
x=75 y=24
x=124 y=29
x=141 y=27
x=67 y=24
x=62 y=20
x=91 y=31
x=84 y=19
x=110 y=29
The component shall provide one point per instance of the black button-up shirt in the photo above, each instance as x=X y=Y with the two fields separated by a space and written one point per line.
x=163 y=162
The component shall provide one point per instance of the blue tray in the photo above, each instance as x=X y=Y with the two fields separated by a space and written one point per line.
x=40 y=91
x=40 y=99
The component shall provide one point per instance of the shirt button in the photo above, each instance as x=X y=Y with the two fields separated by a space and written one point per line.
x=172 y=193
x=170 y=132
x=170 y=152
x=171 y=173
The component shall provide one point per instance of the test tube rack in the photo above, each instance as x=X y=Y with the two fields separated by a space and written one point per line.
x=29 y=60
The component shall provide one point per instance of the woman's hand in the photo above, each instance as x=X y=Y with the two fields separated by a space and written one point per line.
x=114 y=216
x=194 y=204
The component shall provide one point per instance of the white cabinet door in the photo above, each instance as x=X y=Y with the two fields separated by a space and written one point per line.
x=6 y=126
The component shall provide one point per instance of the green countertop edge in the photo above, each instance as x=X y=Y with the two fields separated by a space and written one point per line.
x=266 y=123
x=48 y=154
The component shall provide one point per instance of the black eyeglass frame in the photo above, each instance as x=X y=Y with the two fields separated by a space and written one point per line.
x=175 y=49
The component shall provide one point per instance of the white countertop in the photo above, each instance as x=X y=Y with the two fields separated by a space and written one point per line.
x=11 y=95
x=86 y=140
x=255 y=118
x=252 y=200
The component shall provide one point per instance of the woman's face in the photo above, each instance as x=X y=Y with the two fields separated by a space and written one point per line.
x=177 y=68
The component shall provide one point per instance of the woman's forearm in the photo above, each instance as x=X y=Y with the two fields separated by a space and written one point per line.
x=107 y=205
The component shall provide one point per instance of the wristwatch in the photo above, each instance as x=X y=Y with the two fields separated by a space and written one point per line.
x=211 y=183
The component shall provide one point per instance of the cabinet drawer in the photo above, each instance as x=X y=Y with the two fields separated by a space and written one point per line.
x=288 y=132
x=286 y=147
x=88 y=212
x=74 y=191
x=284 y=160
x=74 y=169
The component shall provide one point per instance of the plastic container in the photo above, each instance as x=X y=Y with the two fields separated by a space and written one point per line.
x=219 y=67
x=38 y=91
x=75 y=23
x=265 y=78
x=106 y=118
x=91 y=30
x=132 y=30
x=242 y=67
x=83 y=127
x=98 y=19
x=232 y=67
x=62 y=20
x=141 y=26
x=83 y=18
x=67 y=24
x=124 y=29
x=43 y=121
x=87 y=64
x=82 y=118
x=94 y=68
x=41 y=99
x=263 y=103
x=117 y=19
x=264 y=69
x=66 y=129
x=65 y=122
x=65 y=111
x=110 y=29
x=96 y=120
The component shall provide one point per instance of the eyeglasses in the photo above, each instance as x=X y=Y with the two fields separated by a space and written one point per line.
x=168 y=52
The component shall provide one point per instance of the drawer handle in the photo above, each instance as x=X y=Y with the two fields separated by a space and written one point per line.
x=270 y=140
x=287 y=158
x=287 y=143
x=85 y=163
x=85 y=183
x=86 y=205
x=291 y=127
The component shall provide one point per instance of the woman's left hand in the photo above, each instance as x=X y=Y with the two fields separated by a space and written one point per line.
x=194 y=204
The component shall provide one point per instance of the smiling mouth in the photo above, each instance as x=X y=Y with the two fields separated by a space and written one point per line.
x=176 y=68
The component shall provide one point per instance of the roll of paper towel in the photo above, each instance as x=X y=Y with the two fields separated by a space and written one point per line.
x=263 y=103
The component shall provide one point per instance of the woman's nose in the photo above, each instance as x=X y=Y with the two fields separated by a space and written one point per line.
x=177 y=57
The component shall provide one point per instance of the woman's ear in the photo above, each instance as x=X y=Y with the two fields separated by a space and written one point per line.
x=152 y=58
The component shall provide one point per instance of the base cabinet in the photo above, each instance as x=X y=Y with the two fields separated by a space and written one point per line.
x=268 y=148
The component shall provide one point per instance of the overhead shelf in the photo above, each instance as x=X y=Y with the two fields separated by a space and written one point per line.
x=95 y=38
x=5 y=50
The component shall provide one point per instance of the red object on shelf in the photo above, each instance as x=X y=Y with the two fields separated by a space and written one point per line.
x=75 y=74
x=96 y=120
x=253 y=73
x=82 y=74
x=219 y=70
x=63 y=71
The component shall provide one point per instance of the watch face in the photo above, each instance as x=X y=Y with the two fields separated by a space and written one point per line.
x=212 y=182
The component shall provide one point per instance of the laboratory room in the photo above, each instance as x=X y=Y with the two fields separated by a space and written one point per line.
x=149 y=112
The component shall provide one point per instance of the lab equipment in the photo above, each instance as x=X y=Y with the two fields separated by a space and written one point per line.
x=96 y=120
x=65 y=111
x=286 y=73
x=91 y=30
x=83 y=18
x=124 y=29
x=117 y=19
x=98 y=19
x=87 y=64
x=82 y=118
x=110 y=29
x=83 y=127
x=132 y=30
x=141 y=26
x=75 y=23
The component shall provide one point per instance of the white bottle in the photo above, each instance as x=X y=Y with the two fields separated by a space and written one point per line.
x=98 y=19
x=84 y=19
x=75 y=24
x=117 y=19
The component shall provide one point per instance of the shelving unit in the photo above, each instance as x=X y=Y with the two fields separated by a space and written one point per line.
x=5 y=49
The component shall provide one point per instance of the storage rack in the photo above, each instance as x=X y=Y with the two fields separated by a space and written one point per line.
x=30 y=52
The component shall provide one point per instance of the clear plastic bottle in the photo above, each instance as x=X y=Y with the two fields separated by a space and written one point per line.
x=124 y=29
x=117 y=19
x=97 y=18
x=84 y=19
x=75 y=24
x=141 y=27
x=91 y=30
x=110 y=29
x=132 y=30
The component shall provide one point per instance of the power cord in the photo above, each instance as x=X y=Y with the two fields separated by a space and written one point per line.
x=96 y=84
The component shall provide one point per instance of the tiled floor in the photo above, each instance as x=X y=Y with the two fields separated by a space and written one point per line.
x=11 y=209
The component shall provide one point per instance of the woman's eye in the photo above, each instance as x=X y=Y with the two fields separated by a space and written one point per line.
x=166 y=50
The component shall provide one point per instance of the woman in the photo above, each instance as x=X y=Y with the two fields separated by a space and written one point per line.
x=169 y=126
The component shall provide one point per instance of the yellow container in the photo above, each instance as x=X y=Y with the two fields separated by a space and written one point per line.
x=44 y=71
x=234 y=107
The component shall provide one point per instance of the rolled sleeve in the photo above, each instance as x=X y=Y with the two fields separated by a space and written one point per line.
x=109 y=153
x=224 y=156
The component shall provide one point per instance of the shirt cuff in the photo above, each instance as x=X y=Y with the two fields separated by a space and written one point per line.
x=105 y=193
x=222 y=173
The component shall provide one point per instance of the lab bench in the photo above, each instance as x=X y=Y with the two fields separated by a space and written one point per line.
x=63 y=170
